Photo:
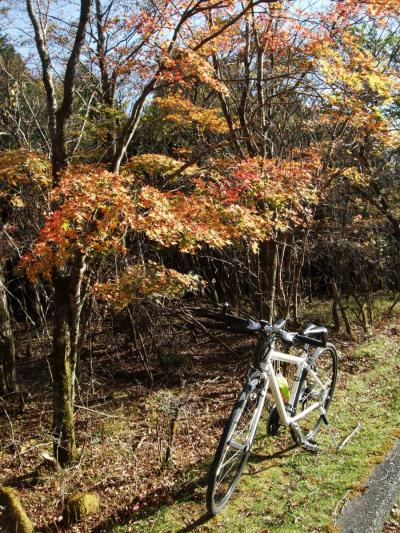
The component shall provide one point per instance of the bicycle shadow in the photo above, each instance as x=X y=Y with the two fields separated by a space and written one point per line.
x=255 y=457
x=259 y=458
x=279 y=453
x=194 y=525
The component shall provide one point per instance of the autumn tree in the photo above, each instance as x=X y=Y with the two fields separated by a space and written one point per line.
x=66 y=280
x=271 y=106
x=162 y=54
x=303 y=78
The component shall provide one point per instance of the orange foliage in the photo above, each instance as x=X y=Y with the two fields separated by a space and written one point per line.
x=184 y=66
x=184 y=113
x=95 y=207
x=98 y=207
x=145 y=166
x=277 y=192
x=148 y=280
x=23 y=172
x=25 y=182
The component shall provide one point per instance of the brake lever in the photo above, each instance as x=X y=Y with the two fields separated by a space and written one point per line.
x=287 y=337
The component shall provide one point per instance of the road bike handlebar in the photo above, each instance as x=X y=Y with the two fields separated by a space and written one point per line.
x=312 y=335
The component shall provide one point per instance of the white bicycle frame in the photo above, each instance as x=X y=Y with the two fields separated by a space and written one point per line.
x=270 y=381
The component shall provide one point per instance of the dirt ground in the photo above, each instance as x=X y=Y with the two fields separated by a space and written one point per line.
x=141 y=444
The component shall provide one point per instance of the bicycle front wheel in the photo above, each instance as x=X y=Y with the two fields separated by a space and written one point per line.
x=235 y=445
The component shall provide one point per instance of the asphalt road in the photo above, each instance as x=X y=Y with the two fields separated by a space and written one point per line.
x=367 y=513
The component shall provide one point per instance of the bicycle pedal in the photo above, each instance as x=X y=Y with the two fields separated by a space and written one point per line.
x=310 y=445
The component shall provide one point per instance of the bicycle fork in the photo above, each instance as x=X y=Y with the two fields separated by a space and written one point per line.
x=244 y=448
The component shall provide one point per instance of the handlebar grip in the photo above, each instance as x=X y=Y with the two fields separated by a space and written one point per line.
x=309 y=340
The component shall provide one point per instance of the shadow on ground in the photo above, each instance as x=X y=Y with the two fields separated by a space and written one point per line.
x=151 y=504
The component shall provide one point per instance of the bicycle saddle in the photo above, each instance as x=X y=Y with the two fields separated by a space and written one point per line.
x=319 y=333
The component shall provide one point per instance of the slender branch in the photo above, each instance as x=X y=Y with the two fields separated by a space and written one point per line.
x=70 y=73
x=230 y=23
x=41 y=45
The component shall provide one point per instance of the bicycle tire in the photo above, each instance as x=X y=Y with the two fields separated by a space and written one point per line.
x=324 y=362
x=245 y=413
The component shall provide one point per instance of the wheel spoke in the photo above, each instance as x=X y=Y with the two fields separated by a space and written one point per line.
x=231 y=458
x=225 y=475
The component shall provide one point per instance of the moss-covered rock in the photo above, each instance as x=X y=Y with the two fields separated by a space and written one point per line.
x=14 y=517
x=80 y=505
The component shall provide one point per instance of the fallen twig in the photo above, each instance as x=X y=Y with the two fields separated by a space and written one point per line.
x=351 y=435
x=102 y=413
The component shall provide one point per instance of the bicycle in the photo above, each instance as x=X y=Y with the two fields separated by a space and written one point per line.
x=303 y=413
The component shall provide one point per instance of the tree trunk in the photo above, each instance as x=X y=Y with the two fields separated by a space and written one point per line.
x=64 y=445
x=68 y=304
x=108 y=82
x=336 y=296
x=268 y=265
x=8 y=375
x=335 y=316
x=76 y=303
x=284 y=304
x=67 y=287
x=129 y=130
x=297 y=277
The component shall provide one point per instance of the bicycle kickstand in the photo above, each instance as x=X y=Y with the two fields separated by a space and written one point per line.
x=327 y=424
x=338 y=446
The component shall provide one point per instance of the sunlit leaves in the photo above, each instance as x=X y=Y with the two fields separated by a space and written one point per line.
x=184 y=220
x=274 y=191
x=95 y=207
x=98 y=207
x=22 y=168
x=184 y=113
x=25 y=182
x=147 y=280
x=185 y=66
x=155 y=166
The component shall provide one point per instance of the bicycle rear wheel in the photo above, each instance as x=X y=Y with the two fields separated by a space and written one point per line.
x=234 y=446
x=324 y=362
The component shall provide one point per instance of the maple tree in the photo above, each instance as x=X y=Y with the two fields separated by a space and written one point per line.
x=68 y=267
x=290 y=52
x=155 y=47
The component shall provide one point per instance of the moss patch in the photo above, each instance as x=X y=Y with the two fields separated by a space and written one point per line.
x=13 y=518
x=80 y=505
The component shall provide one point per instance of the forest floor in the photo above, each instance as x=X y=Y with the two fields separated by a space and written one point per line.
x=151 y=477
